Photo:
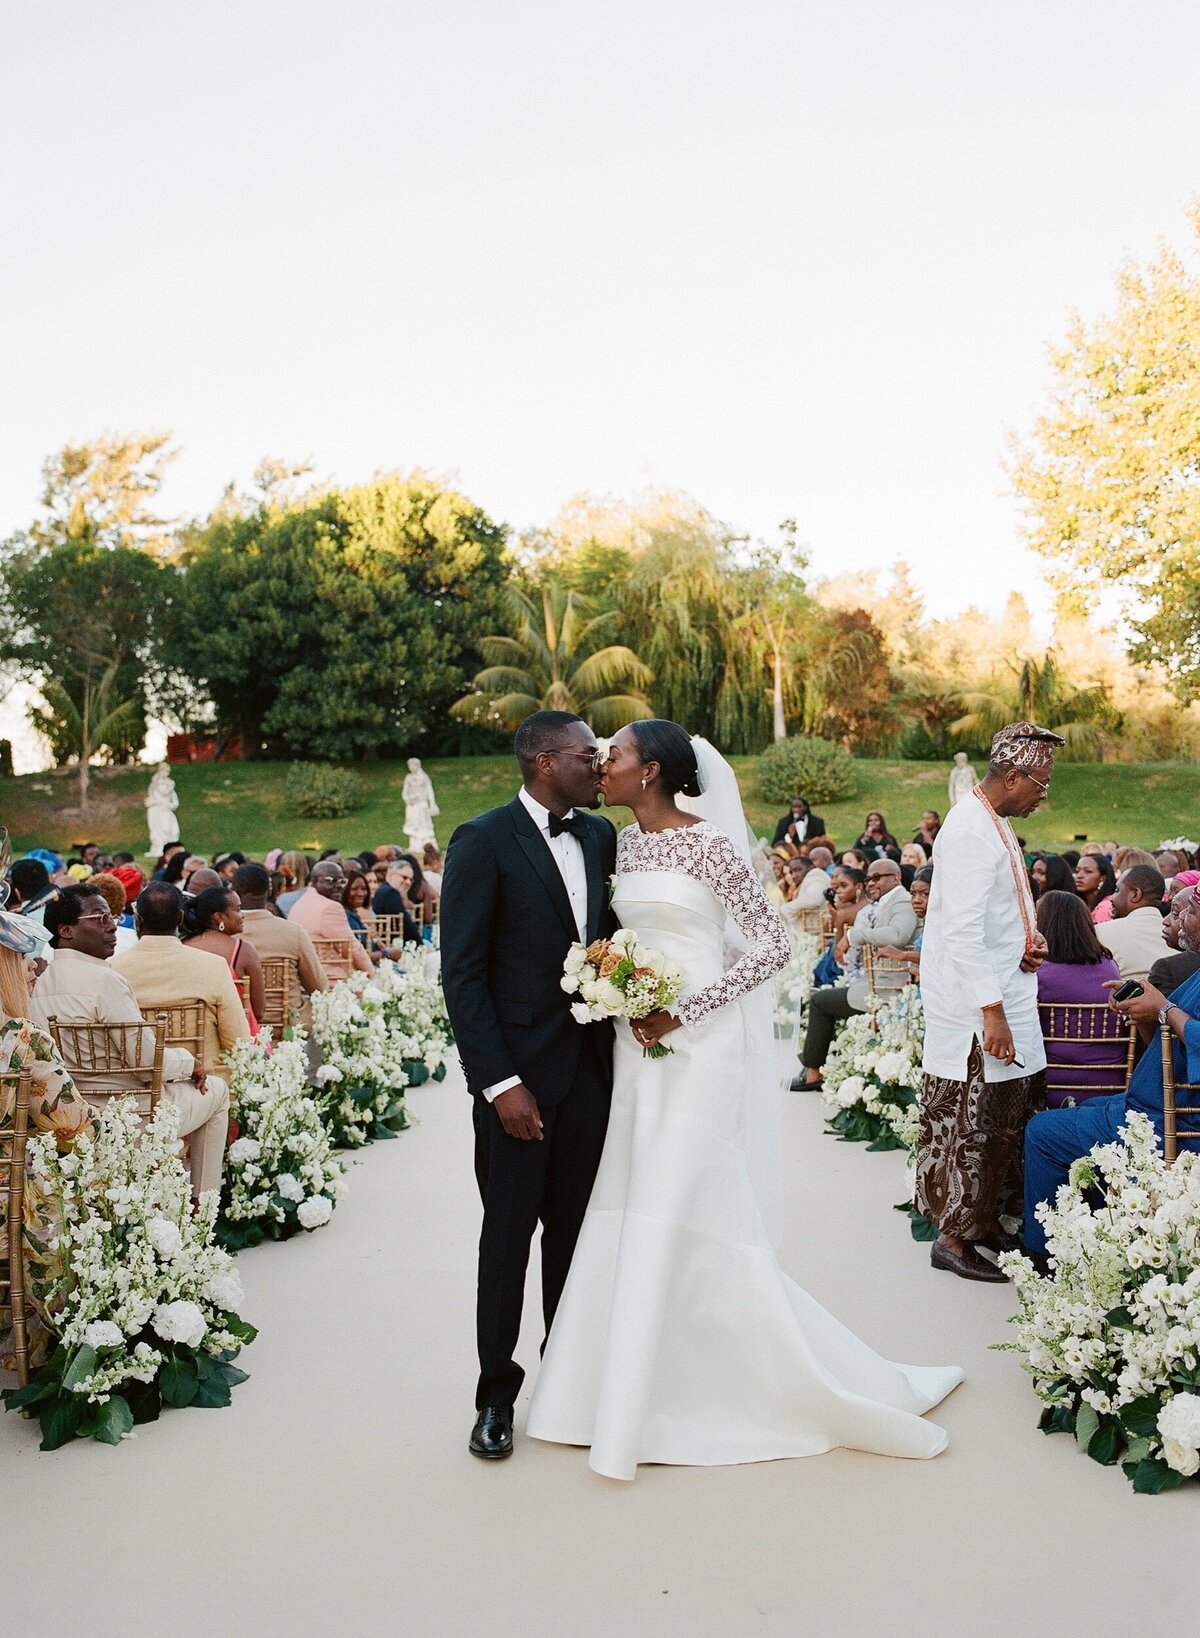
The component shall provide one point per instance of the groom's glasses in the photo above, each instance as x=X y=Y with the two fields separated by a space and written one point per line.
x=592 y=758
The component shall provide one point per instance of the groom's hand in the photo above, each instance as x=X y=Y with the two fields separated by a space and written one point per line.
x=518 y=1112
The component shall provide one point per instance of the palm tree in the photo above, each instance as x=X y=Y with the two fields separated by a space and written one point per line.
x=95 y=721
x=556 y=659
x=1039 y=692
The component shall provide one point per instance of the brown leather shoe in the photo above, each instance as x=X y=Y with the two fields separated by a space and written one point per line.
x=968 y=1266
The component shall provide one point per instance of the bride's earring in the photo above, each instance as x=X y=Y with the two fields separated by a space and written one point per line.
x=645 y=782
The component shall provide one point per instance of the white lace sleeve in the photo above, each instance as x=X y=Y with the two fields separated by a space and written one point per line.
x=739 y=890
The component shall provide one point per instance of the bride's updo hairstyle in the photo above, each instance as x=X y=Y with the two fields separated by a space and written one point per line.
x=671 y=747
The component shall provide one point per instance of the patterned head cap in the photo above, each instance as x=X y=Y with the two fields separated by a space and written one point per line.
x=1024 y=745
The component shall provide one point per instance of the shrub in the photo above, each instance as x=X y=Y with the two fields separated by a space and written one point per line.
x=816 y=769
x=317 y=790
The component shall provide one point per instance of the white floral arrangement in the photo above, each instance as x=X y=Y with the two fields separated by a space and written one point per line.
x=794 y=984
x=142 y=1303
x=281 y=1175
x=1178 y=844
x=379 y=1033
x=873 y=1068
x=619 y=977
x=1111 y=1336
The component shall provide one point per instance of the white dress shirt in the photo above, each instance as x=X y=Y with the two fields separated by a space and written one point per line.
x=567 y=853
x=1135 y=940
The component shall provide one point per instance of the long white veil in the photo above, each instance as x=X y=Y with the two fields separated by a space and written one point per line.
x=720 y=803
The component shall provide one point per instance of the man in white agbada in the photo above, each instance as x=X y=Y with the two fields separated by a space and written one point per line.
x=983 y=1041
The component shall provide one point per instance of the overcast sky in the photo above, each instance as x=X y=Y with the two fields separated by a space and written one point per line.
x=799 y=260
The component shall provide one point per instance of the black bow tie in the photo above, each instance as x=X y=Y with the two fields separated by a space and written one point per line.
x=574 y=822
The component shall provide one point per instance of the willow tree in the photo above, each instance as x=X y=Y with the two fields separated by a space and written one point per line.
x=556 y=657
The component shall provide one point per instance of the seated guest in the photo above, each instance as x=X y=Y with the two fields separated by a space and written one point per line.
x=855 y=859
x=821 y=856
x=877 y=841
x=176 y=868
x=1056 y=1138
x=1135 y=933
x=910 y=954
x=319 y=911
x=1124 y=858
x=1181 y=932
x=391 y=898
x=912 y=853
x=225 y=864
x=1078 y=971
x=926 y=831
x=113 y=893
x=165 y=857
x=799 y=824
x=162 y=972
x=213 y=921
x=420 y=895
x=132 y=880
x=276 y=938
x=431 y=864
x=889 y=920
x=1095 y=883
x=81 y=987
x=293 y=867
x=805 y=887
x=1051 y=874
x=356 y=902
x=30 y=888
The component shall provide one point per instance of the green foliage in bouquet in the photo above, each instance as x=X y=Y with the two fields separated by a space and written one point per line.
x=318 y=790
x=816 y=769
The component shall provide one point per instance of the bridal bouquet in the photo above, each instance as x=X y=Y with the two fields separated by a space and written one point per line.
x=618 y=977
x=1111 y=1337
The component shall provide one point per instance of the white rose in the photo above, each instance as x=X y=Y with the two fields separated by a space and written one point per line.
x=569 y=982
x=314 y=1212
x=576 y=959
x=287 y=1186
x=609 y=996
x=1179 y=1419
x=246 y=1148
x=1181 y=1457
x=180 y=1322
x=580 y=1013
x=103 y=1334
x=164 y=1237
x=225 y=1291
x=590 y=989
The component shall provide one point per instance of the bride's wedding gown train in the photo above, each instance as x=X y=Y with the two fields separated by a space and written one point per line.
x=678 y=1338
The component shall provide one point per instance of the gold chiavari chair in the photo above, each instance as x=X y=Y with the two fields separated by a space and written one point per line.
x=885 y=977
x=115 y=1060
x=187 y=1026
x=336 y=956
x=14 y=1130
x=389 y=930
x=1093 y=1023
x=815 y=921
x=1172 y=1109
x=242 y=985
x=277 y=993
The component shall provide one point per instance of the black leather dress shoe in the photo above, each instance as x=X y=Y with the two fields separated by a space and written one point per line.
x=492 y=1435
x=967 y=1264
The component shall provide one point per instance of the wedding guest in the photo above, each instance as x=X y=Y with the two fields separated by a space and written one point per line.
x=1056 y=1138
x=356 y=902
x=421 y=897
x=113 y=894
x=319 y=911
x=31 y=889
x=1181 y=932
x=926 y=831
x=1095 y=883
x=983 y=1051
x=164 y=972
x=168 y=853
x=225 y=864
x=910 y=954
x=202 y=881
x=1123 y=858
x=293 y=867
x=877 y=840
x=892 y=923
x=1051 y=874
x=276 y=938
x=391 y=899
x=1078 y=971
x=431 y=863
x=821 y=856
x=912 y=853
x=806 y=887
x=1135 y=933
x=213 y=921
x=132 y=880
x=82 y=986
x=799 y=824
x=855 y=859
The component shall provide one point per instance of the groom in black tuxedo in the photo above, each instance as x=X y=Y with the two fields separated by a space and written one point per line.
x=523 y=883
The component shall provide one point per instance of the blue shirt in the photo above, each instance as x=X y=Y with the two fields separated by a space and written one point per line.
x=1145 y=1092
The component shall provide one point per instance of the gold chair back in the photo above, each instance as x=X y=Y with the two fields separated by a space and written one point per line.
x=277 y=988
x=14 y=1130
x=115 y=1060
x=389 y=930
x=1085 y=1022
x=885 y=977
x=242 y=985
x=187 y=1026
x=1172 y=1108
x=336 y=956
x=815 y=920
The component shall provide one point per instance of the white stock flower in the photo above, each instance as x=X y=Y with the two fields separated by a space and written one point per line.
x=164 y=1237
x=327 y=1074
x=314 y=1211
x=576 y=959
x=180 y=1322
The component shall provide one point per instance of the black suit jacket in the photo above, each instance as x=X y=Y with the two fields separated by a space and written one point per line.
x=507 y=925
x=811 y=825
x=1169 y=972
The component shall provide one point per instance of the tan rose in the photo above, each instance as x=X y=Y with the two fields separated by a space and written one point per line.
x=610 y=963
x=597 y=950
x=644 y=972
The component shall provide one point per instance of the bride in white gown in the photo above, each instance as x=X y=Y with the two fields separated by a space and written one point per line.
x=678 y=1338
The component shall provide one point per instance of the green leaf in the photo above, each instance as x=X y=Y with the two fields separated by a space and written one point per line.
x=1056 y=1419
x=1087 y=1424
x=81 y=1366
x=1138 y=1450
x=922 y=1229
x=232 y=1376
x=31 y=1394
x=1106 y=1445
x=212 y=1394
x=114 y=1422
x=1141 y=1415
x=178 y=1382
x=1119 y=1318
x=60 y=1421
x=240 y=1328
x=1152 y=1476
x=145 y=1401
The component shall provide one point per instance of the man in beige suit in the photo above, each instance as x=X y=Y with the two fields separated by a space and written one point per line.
x=162 y=972
x=276 y=938
x=80 y=987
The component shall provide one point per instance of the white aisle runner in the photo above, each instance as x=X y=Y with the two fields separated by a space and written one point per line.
x=337 y=1494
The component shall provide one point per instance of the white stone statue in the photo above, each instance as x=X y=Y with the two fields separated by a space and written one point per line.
x=420 y=807
x=162 y=800
x=963 y=778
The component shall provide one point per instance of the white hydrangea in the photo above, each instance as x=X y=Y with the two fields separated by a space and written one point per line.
x=103 y=1334
x=244 y=1149
x=225 y=1291
x=180 y=1322
x=314 y=1211
x=164 y=1237
x=289 y=1187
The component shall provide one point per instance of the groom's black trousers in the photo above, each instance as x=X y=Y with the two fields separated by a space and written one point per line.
x=521 y=1183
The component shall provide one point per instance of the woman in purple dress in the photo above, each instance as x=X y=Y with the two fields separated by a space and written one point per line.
x=1074 y=973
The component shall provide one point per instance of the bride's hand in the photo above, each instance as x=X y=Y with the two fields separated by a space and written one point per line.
x=652 y=1028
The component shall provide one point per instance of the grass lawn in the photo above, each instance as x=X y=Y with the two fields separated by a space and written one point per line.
x=241 y=804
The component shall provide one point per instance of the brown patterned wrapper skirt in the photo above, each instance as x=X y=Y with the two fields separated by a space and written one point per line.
x=970 y=1150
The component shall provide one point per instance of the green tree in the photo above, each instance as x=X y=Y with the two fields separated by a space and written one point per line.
x=1111 y=473
x=1037 y=691
x=104 y=492
x=556 y=658
x=343 y=625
